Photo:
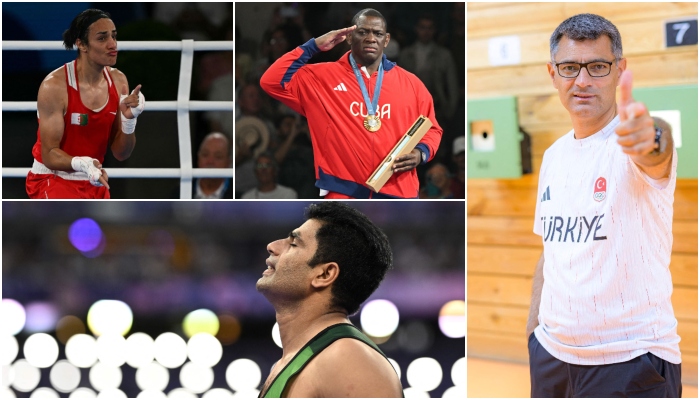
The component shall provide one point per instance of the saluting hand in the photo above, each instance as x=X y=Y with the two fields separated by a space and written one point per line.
x=332 y=38
x=130 y=101
x=636 y=129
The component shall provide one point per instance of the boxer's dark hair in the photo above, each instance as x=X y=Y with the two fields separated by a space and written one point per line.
x=361 y=250
x=80 y=26
x=369 y=12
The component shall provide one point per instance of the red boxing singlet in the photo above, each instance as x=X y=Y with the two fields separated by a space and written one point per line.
x=85 y=132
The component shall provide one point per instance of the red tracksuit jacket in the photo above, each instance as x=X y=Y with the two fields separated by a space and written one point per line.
x=328 y=95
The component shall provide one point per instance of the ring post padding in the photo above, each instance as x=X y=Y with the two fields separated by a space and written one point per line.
x=183 y=118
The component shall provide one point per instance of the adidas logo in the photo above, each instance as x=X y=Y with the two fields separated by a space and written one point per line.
x=341 y=87
x=545 y=195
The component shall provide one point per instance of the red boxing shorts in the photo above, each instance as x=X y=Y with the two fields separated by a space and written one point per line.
x=50 y=186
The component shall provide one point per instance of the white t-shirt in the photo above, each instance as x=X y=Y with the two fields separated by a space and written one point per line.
x=280 y=192
x=606 y=229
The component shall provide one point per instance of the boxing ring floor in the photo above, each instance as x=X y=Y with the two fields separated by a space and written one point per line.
x=491 y=378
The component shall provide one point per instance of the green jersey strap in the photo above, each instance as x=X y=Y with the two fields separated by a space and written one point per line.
x=322 y=340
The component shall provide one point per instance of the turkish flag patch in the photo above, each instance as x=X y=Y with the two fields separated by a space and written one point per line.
x=599 y=189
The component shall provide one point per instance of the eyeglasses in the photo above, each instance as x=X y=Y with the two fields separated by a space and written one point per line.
x=263 y=165
x=596 y=69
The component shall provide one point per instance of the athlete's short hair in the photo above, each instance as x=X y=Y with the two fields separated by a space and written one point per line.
x=369 y=12
x=79 y=27
x=586 y=27
x=361 y=250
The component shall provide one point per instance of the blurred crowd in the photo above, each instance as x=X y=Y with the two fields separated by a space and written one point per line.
x=273 y=152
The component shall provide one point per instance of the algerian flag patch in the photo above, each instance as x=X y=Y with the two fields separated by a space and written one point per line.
x=78 y=119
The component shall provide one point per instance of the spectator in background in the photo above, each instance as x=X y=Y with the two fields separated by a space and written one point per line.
x=266 y=174
x=438 y=183
x=434 y=66
x=214 y=152
x=457 y=183
x=294 y=155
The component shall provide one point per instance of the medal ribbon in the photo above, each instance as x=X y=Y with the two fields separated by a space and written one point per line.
x=371 y=107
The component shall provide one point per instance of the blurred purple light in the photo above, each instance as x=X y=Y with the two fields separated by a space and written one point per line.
x=85 y=234
x=41 y=317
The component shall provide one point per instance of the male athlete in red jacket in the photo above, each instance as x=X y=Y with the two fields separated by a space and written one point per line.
x=352 y=131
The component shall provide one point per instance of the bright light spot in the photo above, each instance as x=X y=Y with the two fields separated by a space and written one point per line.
x=9 y=347
x=64 y=376
x=201 y=320
x=26 y=377
x=111 y=349
x=181 y=393
x=41 y=317
x=413 y=393
x=44 y=393
x=276 y=335
x=8 y=375
x=152 y=377
x=110 y=316
x=85 y=234
x=455 y=392
x=170 y=350
x=140 y=349
x=246 y=394
x=196 y=378
x=451 y=320
x=103 y=377
x=204 y=349
x=7 y=394
x=396 y=366
x=379 y=318
x=13 y=316
x=219 y=394
x=41 y=350
x=424 y=374
x=83 y=393
x=151 y=394
x=67 y=327
x=459 y=372
x=81 y=350
x=243 y=374
x=112 y=393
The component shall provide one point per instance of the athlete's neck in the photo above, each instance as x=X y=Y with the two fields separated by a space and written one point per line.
x=300 y=326
x=585 y=127
x=371 y=68
x=88 y=72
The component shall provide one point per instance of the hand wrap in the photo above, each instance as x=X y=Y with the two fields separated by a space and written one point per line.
x=129 y=125
x=86 y=165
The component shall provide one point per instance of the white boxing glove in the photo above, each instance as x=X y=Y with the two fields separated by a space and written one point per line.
x=129 y=125
x=86 y=165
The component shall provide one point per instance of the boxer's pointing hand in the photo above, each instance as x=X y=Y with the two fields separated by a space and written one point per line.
x=332 y=38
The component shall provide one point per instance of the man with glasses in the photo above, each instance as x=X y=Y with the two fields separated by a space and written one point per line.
x=265 y=169
x=601 y=321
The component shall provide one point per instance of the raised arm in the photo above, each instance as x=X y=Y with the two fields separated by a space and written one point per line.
x=122 y=144
x=636 y=134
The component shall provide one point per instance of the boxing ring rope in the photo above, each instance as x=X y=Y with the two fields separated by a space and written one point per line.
x=182 y=105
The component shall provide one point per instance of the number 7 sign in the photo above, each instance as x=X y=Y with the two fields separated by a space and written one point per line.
x=681 y=32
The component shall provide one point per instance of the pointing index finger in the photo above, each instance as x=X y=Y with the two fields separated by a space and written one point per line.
x=137 y=89
x=626 y=88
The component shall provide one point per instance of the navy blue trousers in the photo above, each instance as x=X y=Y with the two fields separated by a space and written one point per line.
x=644 y=376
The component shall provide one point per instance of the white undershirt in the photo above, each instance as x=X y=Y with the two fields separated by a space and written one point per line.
x=607 y=247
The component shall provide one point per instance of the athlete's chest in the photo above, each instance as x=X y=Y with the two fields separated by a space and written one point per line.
x=92 y=96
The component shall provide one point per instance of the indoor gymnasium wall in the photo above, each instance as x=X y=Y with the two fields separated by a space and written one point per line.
x=502 y=250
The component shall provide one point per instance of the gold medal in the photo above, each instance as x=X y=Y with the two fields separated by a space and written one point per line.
x=372 y=123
